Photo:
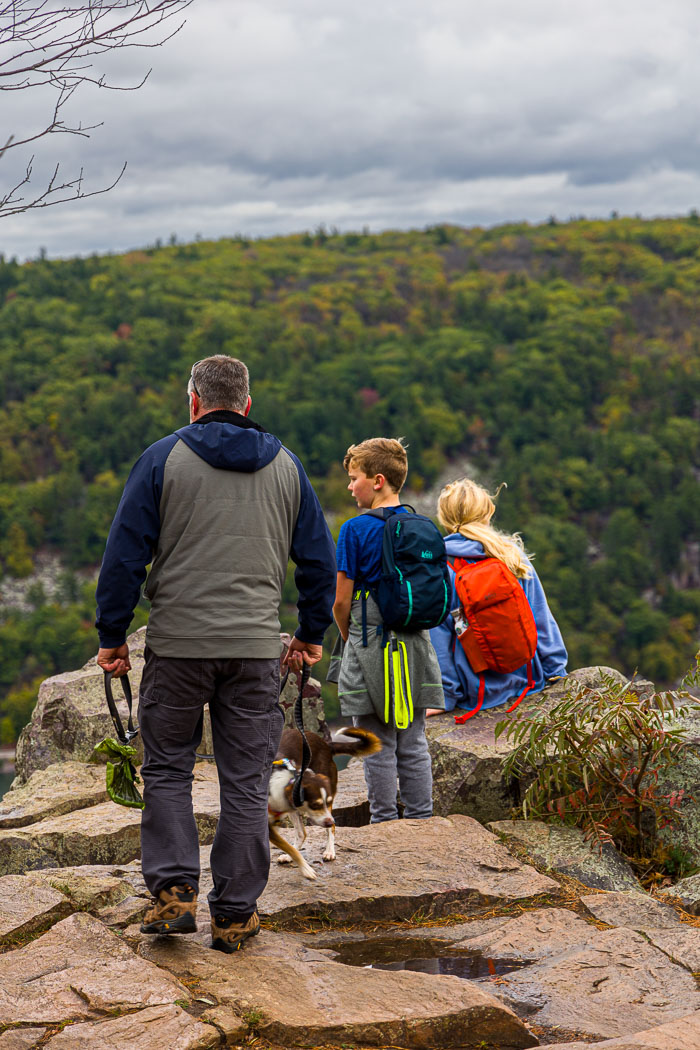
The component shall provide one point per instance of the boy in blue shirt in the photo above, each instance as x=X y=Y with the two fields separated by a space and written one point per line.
x=377 y=470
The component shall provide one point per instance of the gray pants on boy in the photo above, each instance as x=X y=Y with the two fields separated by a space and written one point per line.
x=404 y=754
x=246 y=722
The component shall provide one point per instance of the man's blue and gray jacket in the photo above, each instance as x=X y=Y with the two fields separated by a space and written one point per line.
x=217 y=508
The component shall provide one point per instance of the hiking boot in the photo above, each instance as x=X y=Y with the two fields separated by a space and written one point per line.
x=173 y=911
x=227 y=935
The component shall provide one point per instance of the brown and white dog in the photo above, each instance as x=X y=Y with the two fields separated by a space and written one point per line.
x=320 y=782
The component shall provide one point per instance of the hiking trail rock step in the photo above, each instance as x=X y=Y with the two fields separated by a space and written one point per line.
x=156 y=1028
x=565 y=850
x=683 y=1034
x=467 y=759
x=21 y=1038
x=79 y=970
x=60 y=788
x=26 y=907
x=395 y=869
x=614 y=985
x=101 y=834
x=637 y=911
x=297 y=997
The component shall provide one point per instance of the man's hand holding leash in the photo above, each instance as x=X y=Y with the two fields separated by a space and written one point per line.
x=302 y=653
x=115 y=660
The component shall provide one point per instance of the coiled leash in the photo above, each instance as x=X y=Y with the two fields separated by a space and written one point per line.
x=131 y=731
x=297 y=790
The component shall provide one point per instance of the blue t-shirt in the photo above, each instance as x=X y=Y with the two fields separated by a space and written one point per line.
x=359 y=551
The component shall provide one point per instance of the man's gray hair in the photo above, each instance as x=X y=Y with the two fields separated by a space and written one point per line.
x=221 y=382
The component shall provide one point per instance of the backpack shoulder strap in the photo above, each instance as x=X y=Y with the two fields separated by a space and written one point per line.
x=384 y=513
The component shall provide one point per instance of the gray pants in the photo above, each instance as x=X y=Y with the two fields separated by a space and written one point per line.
x=404 y=754
x=247 y=724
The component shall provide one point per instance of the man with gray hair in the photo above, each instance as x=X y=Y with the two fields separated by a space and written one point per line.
x=217 y=508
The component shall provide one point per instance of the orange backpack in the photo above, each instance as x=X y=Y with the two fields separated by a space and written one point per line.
x=497 y=629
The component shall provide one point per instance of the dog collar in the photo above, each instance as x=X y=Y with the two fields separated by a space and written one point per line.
x=285 y=763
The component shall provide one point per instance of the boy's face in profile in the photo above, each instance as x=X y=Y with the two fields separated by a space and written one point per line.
x=362 y=488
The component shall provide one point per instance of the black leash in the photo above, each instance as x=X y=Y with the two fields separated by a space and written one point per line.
x=126 y=736
x=297 y=790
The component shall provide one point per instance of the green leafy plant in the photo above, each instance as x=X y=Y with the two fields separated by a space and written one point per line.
x=254 y=1017
x=597 y=759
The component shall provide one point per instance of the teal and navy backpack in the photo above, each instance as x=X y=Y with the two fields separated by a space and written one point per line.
x=413 y=593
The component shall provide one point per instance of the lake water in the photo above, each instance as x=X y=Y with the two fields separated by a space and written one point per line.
x=5 y=781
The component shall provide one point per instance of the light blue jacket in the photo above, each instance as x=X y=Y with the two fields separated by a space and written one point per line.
x=460 y=683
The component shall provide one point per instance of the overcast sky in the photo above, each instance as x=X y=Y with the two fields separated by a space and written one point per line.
x=273 y=116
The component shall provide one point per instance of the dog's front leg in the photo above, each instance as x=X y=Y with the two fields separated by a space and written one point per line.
x=277 y=840
x=299 y=828
x=329 y=852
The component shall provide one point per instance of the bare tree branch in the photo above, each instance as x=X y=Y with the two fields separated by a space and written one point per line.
x=43 y=45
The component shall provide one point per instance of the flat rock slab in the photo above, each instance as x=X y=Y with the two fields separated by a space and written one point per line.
x=21 y=1038
x=682 y=945
x=535 y=935
x=394 y=869
x=565 y=850
x=616 y=986
x=103 y=834
x=301 y=999
x=26 y=907
x=79 y=970
x=683 y=1034
x=637 y=911
x=468 y=760
x=61 y=788
x=158 y=1028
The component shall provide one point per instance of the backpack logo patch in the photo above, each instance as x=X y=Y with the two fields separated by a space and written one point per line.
x=426 y=554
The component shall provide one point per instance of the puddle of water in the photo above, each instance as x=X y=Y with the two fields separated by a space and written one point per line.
x=422 y=957
x=468 y=966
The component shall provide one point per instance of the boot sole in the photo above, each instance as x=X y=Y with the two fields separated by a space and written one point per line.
x=183 y=924
x=220 y=945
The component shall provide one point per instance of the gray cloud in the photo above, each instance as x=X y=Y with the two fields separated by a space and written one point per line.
x=269 y=116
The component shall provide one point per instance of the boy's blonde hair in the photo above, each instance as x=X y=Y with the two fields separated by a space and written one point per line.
x=385 y=456
x=467 y=508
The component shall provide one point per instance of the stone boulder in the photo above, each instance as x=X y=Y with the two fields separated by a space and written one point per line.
x=468 y=760
x=71 y=715
x=685 y=892
x=296 y=997
x=564 y=850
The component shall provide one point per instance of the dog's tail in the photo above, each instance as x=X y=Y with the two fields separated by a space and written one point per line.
x=358 y=743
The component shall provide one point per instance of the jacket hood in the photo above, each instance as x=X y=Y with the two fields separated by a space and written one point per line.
x=458 y=546
x=229 y=447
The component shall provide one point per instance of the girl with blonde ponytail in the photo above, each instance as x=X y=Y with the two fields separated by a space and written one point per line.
x=465 y=510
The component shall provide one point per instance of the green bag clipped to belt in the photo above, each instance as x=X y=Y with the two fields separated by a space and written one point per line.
x=122 y=777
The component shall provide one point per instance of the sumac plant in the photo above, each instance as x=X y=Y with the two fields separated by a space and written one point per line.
x=598 y=759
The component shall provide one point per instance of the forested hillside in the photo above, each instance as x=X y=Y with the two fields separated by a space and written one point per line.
x=562 y=359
